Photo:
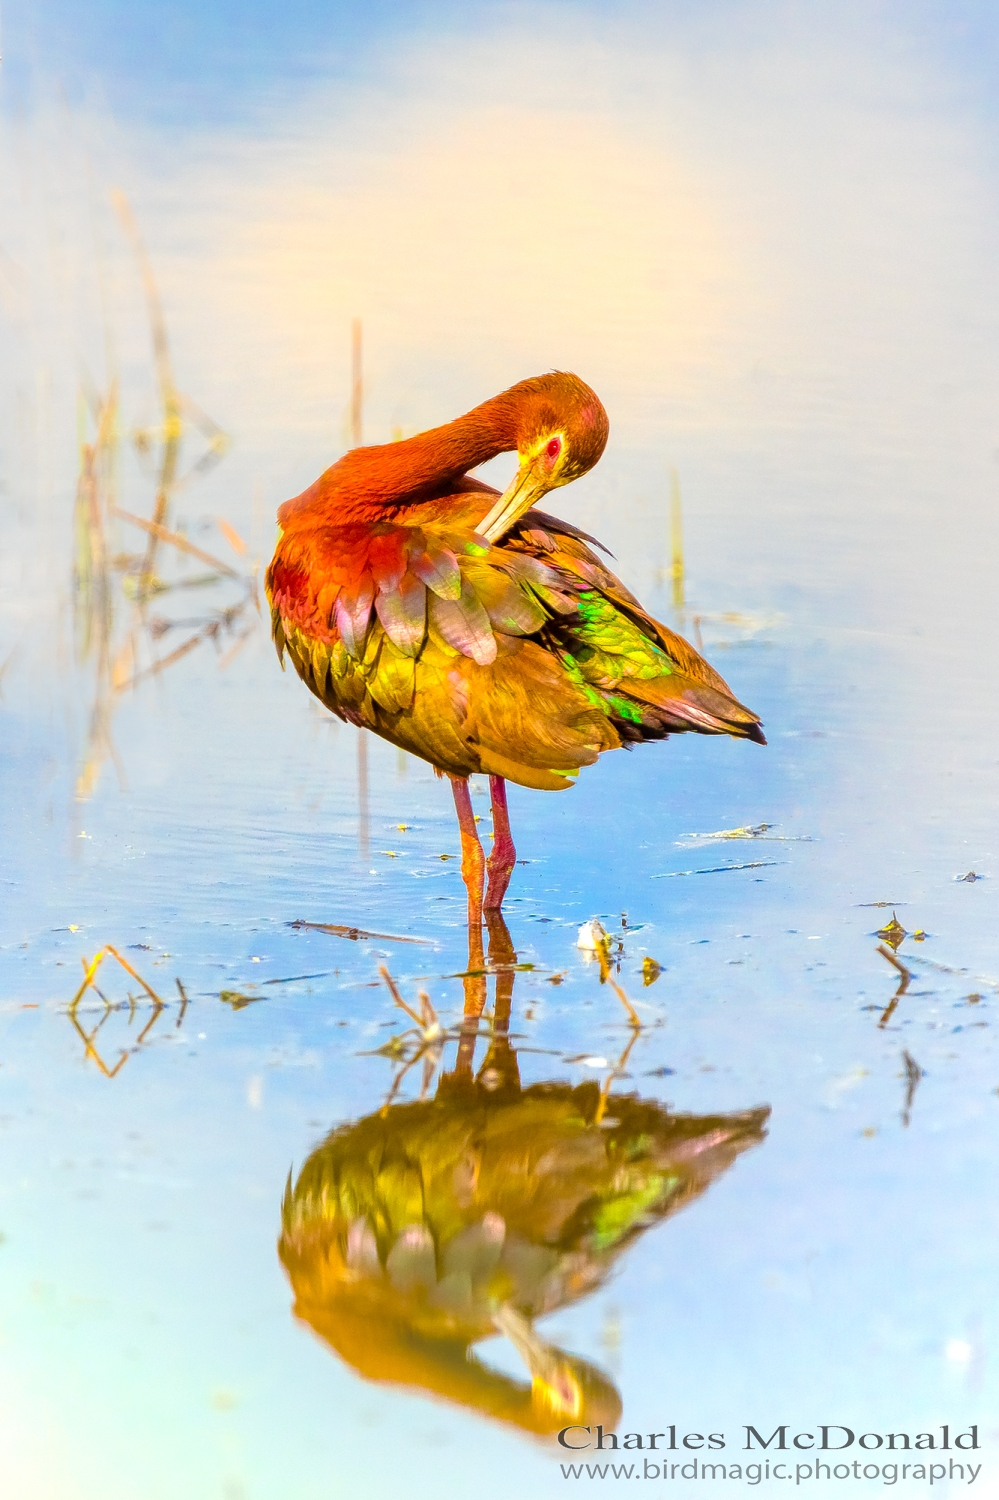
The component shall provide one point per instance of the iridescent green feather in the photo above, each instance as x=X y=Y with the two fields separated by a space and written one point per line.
x=604 y=650
x=620 y=1211
x=611 y=648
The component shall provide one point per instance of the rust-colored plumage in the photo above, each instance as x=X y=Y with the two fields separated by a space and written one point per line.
x=473 y=629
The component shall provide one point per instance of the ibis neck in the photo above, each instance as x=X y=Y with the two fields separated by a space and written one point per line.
x=368 y=483
x=448 y=452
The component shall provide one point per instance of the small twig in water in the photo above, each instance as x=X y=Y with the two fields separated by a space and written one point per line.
x=913 y=1074
x=615 y=1072
x=906 y=974
x=397 y=997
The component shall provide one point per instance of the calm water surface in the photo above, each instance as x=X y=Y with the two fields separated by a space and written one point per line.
x=774 y=259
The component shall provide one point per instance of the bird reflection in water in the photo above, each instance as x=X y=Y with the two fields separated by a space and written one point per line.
x=422 y=1229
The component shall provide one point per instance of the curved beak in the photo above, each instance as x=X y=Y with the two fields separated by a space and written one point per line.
x=526 y=486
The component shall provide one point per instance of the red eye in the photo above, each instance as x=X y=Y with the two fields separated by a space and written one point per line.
x=554 y=448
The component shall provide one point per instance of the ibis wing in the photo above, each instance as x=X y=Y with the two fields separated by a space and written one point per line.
x=651 y=680
x=525 y=659
x=566 y=547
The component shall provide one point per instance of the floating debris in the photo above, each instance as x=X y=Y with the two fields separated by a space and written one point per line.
x=238 y=1000
x=755 y=864
x=651 y=970
x=892 y=933
x=756 y=831
x=751 y=831
x=971 y=877
x=295 y=978
x=355 y=934
x=592 y=936
x=395 y=1048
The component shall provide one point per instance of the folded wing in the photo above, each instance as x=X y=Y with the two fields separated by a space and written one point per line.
x=525 y=659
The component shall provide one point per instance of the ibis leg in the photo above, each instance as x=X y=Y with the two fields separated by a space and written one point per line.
x=473 y=863
x=504 y=856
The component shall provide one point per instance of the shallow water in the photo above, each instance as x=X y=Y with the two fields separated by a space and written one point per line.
x=797 y=322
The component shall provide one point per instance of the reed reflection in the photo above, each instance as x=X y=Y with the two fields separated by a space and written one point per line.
x=126 y=653
x=417 y=1232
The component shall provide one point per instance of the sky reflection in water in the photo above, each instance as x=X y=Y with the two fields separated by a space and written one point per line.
x=770 y=247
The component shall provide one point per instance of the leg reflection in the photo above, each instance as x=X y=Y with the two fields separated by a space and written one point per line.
x=428 y=1226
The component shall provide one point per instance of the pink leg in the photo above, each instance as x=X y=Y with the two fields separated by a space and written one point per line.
x=472 y=861
x=504 y=856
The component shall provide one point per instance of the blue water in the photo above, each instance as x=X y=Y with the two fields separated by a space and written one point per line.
x=796 y=314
